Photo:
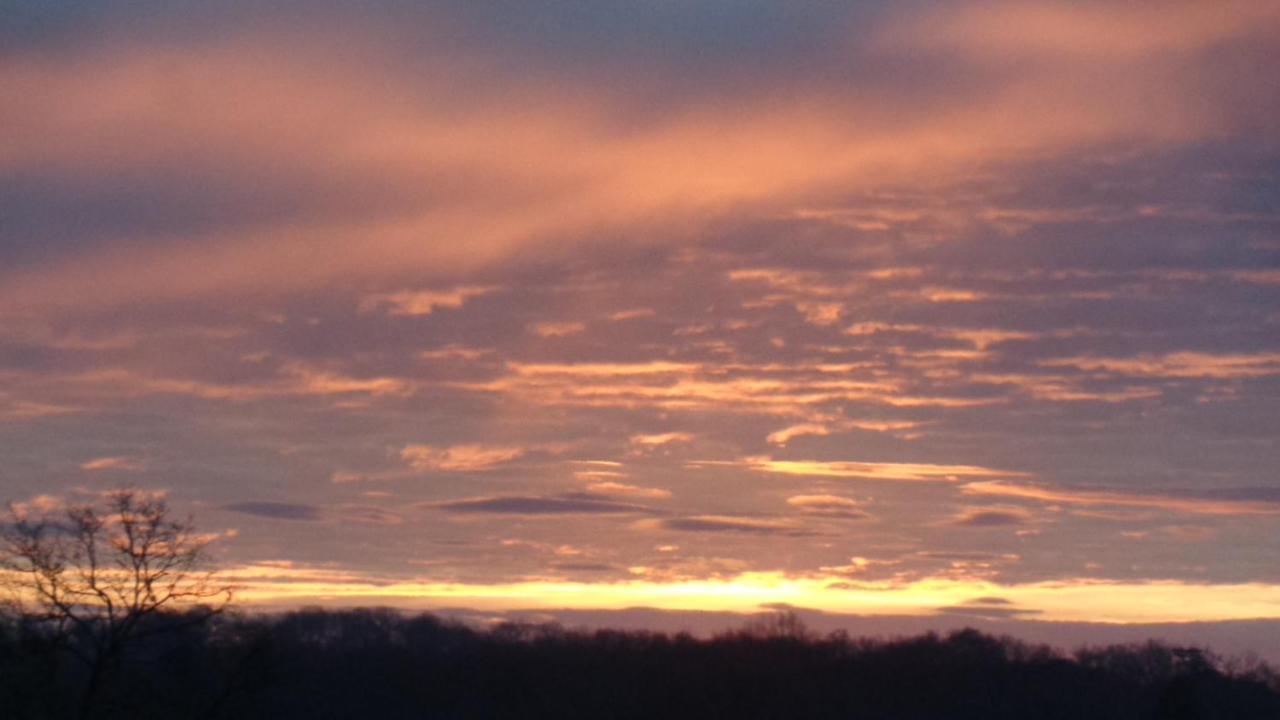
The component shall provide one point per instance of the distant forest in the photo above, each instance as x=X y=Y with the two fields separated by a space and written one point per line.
x=388 y=665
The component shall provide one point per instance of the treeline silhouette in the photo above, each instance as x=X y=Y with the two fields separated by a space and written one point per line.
x=383 y=664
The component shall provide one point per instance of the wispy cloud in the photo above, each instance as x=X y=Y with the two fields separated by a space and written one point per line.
x=1082 y=32
x=609 y=487
x=459 y=458
x=789 y=433
x=561 y=169
x=557 y=329
x=118 y=462
x=828 y=506
x=421 y=302
x=1170 y=503
x=991 y=516
x=291 y=379
x=732 y=524
x=888 y=471
x=632 y=314
x=569 y=504
x=1178 y=365
x=793 y=389
x=659 y=439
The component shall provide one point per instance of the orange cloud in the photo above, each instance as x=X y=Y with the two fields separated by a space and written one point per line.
x=1091 y=31
x=610 y=487
x=455 y=352
x=112 y=463
x=1059 y=388
x=786 y=434
x=884 y=425
x=295 y=379
x=1178 y=365
x=557 y=329
x=992 y=516
x=443 y=176
x=899 y=472
x=598 y=474
x=421 y=302
x=792 y=389
x=16 y=410
x=633 y=314
x=459 y=458
x=1192 y=506
x=828 y=505
x=726 y=523
x=659 y=439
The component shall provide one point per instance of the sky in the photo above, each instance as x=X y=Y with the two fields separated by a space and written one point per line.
x=873 y=308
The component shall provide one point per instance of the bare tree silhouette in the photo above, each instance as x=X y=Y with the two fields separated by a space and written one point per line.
x=96 y=575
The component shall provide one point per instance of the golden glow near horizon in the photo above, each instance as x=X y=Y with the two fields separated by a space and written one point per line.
x=1069 y=600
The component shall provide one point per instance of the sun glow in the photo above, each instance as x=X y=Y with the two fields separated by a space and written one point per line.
x=1074 y=600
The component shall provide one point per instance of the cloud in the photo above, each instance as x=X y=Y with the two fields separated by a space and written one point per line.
x=772 y=388
x=292 y=379
x=557 y=329
x=367 y=515
x=41 y=505
x=119 y=462
x=421 y=302
x=403 y=138
x=346 y=514
x=820 y=313
x=659 y=440
x=569 y=504
x=1178 y=365
x=277 y=510
x=985 y=517
x=624 y=490
x=989 y=600
x=734 y=524
x=966 y=556
x=828 y=506
x=459 y=458
x=787 y=434
x=887 y=471
x=1060 y=388
x=632 y=314
x=1082 y=32
x=1169 y=503
x=16 y=410
x=720 y=523
x=598 y=474
x=988 y=608
x=455 y=352
x=884 y=425
x=584 y=567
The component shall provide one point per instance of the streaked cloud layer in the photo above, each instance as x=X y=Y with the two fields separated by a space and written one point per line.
x=876 y=307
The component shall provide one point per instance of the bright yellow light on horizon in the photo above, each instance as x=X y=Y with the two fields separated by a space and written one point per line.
x=1072 y=600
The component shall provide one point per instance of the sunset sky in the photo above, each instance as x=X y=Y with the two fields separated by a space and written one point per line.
x=903 y=308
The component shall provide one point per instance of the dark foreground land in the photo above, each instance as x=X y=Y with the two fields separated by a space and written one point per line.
x=385 y=665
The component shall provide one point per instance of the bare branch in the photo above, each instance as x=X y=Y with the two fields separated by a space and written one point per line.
x=94 y=573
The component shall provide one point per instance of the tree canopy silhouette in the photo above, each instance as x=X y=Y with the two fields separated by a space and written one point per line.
x=93 y=576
